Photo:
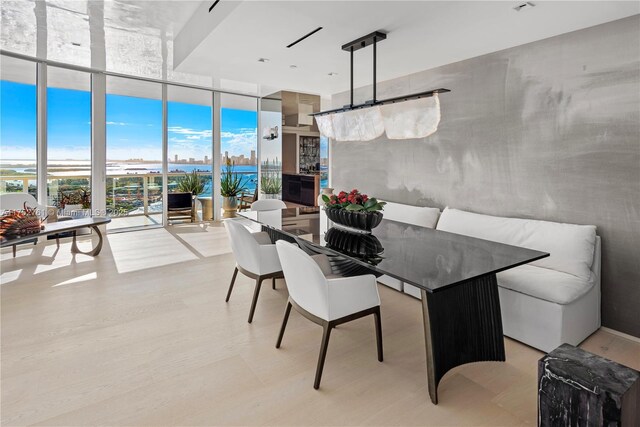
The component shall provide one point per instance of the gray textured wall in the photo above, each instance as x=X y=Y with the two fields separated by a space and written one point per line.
x=548 y=130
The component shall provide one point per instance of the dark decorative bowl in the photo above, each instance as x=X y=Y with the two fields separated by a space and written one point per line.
x=353 y=244
x=354 y=219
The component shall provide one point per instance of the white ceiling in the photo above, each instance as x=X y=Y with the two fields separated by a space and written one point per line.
x=126 y=36
x=421 y=35
x=221 y=49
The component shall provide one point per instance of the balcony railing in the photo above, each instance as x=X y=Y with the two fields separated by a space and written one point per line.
x=126 y=195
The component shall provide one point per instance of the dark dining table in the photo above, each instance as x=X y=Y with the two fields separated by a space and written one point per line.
x=456 y=275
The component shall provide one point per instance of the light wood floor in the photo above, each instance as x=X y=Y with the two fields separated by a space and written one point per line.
x=141 y=335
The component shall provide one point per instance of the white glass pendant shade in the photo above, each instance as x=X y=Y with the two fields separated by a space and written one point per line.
x=358 y=125
x=325 y=125
x=417 y=118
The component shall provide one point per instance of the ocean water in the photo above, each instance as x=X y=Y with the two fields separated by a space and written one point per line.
x=63 y=168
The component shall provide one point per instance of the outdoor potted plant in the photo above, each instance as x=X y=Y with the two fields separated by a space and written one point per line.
x=354 y=209
x=270 y=185
x=191 y=183
x=231 y=184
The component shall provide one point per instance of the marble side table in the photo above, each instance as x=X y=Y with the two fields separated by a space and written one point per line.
x=578 y=388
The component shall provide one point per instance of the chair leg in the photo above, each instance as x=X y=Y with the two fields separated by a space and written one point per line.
x=273 y=283
x=14 y=250
x=233 y=280
x=284 y=324
x=255 y=298
x=376 y=315
x=57 y=241
x=323 y=353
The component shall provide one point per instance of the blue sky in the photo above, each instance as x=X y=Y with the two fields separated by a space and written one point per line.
x=134 y=126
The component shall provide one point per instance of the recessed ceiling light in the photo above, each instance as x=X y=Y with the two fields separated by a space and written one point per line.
x=293 y=66
x=523 y=6
x=332 y=74
x=263 y=60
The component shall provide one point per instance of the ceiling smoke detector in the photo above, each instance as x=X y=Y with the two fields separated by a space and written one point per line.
x=523 y=6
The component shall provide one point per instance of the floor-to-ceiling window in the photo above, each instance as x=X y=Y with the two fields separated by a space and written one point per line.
x=69 y=140
x=18 y=120
x=239 y=137
x=134 y=152
x=190 y=145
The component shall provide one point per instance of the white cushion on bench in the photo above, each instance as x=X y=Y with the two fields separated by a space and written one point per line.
x=415 y=215
x=571 y=246
x=543 y=283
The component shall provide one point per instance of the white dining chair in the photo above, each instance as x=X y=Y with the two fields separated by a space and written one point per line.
x=268 y=205
x=256 y=257
x=324 y=300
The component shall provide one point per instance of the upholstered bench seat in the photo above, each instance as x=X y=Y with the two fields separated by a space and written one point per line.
x=550 y=301
x=561 y=288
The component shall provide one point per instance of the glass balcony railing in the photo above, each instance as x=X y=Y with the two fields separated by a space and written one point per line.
x=126 y=194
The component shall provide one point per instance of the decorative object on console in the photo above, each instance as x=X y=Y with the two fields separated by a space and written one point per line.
x=418 y=118
x=354 y=210
x=16 y=223
x=576 y=387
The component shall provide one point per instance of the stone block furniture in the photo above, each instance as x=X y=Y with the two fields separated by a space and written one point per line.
x=577 y=388
x=551 y=301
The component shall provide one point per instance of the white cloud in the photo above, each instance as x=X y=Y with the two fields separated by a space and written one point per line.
x=116 y=123
x=190 y=133
x=241 y=142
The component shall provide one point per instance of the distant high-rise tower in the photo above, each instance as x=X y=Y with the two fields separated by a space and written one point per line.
x=253 y=157
x=176 y=158
x=206 y=160
x=226 y=157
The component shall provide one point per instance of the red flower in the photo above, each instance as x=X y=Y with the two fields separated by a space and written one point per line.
x=364 y=198
x=342 y=194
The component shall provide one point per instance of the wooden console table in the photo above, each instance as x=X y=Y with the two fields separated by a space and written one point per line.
x=62 y=227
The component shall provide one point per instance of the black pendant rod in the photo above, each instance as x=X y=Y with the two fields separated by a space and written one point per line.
x=393 y=100
x=351 y=76
x=375 y=65
x=362 y=42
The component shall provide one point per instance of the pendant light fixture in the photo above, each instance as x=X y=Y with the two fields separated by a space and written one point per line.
x=403 y=117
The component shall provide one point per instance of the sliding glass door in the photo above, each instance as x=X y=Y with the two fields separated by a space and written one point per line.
x=134 y=153
x=190 y=146
x=69 y=141
x=239 y=139
x=18 y=152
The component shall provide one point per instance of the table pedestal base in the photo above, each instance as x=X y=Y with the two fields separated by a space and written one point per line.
x=93 y=252
x=462 y=324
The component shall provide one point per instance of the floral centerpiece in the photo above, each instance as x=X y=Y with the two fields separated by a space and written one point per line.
x=354 y=209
